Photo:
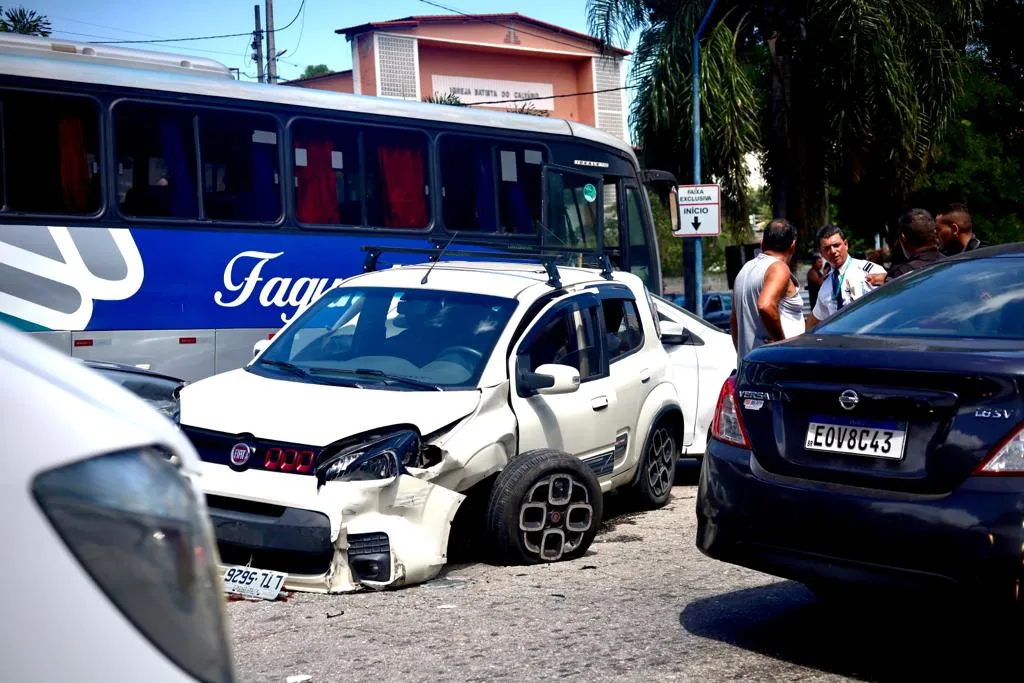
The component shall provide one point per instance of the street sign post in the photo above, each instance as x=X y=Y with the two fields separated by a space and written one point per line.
x=700 y=210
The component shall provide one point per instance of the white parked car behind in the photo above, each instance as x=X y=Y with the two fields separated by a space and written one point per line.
x=109 y=558
x=703 y=357
x=339 y=457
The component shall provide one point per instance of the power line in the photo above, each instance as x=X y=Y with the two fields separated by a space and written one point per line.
x=181 y=40
x=477 y=17
x=552 y=97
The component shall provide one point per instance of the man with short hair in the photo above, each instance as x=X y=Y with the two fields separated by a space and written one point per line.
x=846 y=282
x=766 y=301
x=956 y=231
x=918 y=241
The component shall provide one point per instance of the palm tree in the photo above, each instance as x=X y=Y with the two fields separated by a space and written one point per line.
x=851 y=94
x=24 y=21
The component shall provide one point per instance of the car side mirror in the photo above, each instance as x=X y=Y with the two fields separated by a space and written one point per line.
x=674 y=334
x=551 y=378
x=259 y=347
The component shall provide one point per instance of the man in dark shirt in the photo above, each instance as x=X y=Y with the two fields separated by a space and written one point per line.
x=919 y=242
x=955 y=230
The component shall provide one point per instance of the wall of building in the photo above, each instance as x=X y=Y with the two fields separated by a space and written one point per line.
x=336 y=82
x=563 y=75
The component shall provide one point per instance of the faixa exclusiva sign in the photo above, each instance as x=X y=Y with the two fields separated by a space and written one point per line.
x=476 y=90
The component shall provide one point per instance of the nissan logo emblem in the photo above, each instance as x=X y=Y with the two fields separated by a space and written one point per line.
x=849 y=399
x=240 y=453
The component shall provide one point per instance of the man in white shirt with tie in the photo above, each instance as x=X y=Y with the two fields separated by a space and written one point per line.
x=847 y=279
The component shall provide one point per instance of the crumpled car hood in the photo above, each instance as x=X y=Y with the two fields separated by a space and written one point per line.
x=238 y=401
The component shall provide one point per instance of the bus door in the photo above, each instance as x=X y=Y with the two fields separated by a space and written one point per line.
x=574 y=213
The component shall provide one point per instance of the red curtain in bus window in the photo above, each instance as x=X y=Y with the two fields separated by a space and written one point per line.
x=74 y=165
x=404 y=180
x=316 y=196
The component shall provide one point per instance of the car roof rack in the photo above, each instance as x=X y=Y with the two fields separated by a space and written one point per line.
x=545 y=256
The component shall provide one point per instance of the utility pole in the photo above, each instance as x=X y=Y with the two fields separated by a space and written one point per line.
x=271 y=52
x=257 y=44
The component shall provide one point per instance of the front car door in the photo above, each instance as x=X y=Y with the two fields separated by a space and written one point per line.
x=567 y=333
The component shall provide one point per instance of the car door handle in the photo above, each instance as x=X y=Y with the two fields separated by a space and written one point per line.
x=599 y=402
x=645 y=376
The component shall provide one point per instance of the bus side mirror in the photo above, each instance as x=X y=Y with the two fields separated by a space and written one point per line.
x=673 y=209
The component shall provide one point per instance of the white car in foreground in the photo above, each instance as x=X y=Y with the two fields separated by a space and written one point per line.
x=109 y=558
x=339 y=457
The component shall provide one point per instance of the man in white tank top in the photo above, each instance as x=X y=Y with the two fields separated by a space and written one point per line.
x=767 y=305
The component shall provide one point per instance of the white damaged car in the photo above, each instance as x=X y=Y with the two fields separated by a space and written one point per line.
x=339 y=457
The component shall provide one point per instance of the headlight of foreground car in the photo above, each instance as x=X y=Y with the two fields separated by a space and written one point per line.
x=383 y=458
x=134 y=523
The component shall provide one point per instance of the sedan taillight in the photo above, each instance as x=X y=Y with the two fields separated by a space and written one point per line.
x=728 y=423
x=1007 y=458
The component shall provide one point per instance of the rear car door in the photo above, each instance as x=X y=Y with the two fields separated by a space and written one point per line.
x=567 y=332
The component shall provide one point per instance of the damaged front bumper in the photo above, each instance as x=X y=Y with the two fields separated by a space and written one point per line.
x=340 y=538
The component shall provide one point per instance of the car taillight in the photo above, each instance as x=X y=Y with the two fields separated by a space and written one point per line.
x=1006 y=458
x=138 y=528
x=728 y=423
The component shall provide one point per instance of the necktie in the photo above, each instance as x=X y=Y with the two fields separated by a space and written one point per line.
x=835 y=290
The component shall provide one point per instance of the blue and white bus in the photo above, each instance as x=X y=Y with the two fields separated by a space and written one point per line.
x=160 y=213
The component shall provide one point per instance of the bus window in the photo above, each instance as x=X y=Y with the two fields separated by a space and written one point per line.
x=519 y=188
x=240 y=167
x=612 y=242
x=327 y=190
x=473 y=169
x=395 y=178
x=467 y=184
x=574 y=210
x=639 y=247
x=156 y=161
x=51 y=153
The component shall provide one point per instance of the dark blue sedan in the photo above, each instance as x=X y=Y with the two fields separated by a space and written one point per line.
x=885 y=447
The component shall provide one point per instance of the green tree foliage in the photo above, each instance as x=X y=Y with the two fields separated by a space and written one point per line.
x=25 y=21
x=445 y=98
x=852 y=93
x=315 y=70
x=981 y=161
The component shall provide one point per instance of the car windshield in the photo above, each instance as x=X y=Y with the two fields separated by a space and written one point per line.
x=980 y=298
x=397 y=338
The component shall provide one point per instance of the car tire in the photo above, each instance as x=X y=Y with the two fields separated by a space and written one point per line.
x=545 y=506
x=657 y=469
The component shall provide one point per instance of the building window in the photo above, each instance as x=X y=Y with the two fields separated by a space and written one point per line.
x=51 y=153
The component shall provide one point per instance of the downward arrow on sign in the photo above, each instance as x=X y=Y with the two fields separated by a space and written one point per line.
x=696 y=224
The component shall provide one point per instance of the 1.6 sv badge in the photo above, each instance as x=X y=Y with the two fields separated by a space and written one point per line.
x=993 y=413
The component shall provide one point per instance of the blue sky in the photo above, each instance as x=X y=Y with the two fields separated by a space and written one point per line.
x=310 y=40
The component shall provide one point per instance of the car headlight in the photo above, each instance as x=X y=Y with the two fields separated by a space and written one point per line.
x=380 y=458
x=138 y=528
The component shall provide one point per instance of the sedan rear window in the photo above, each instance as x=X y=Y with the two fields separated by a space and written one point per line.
x=981 y=298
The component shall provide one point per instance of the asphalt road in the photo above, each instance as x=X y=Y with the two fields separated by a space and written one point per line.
x=643 y=605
